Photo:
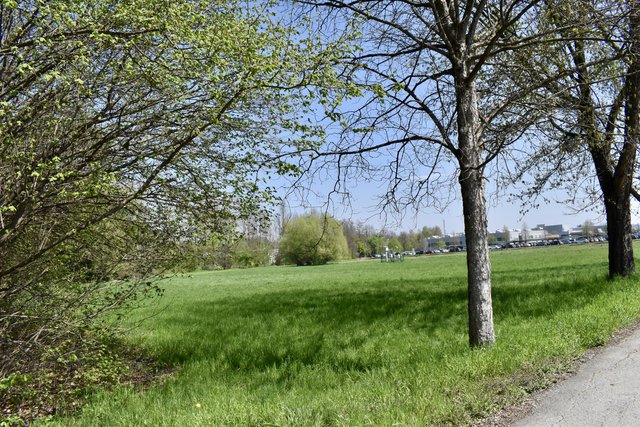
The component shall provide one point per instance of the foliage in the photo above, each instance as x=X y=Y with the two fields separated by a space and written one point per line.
x=129 y=130
x=430 y=231
x=366 y=343
x=63 y=385
x=313 y=239
x=376 y=244
x=223 y=252
x=394 y=245
x=352 y=234
x=254 y=252
x=409 y=240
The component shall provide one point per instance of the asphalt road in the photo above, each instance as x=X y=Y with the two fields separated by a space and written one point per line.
x=605 y=391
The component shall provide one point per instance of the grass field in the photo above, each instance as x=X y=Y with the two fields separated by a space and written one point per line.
x=364 y=343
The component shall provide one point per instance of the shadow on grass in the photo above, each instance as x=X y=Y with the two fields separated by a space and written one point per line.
x=346 y=328
x=271 y=329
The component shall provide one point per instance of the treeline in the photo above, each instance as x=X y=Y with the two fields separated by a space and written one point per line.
x=308 y=239
x=364 y=240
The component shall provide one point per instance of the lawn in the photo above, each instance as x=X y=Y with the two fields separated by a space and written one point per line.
x=364 y=342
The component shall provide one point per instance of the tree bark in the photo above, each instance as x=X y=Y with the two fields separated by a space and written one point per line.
x=617 y=201
x=618 y=210
x=481 y=332
x=480 y=307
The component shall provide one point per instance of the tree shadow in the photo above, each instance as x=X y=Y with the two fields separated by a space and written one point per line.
x=345 y=327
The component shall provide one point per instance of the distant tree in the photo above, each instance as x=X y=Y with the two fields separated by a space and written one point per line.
x=395 y=245
x=524 y=232
x=431 y=231
x=251 y=251
x=350 y=230
x=408 y=240
x=506 y=234
x=281 y=219
x=313 y=239
x=363 y=248
x=588 y=229
x=492 y=239
x=376 y=244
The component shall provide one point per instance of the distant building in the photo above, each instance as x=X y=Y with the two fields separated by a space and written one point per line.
x=499 y=235
x=537 y=233
x=557 y=230
x=595 y=230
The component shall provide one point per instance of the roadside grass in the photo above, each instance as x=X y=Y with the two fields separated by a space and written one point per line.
x=364 y=343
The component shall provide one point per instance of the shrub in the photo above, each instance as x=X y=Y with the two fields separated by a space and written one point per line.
x=313 y=239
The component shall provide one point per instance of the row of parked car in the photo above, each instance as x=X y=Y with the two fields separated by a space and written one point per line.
x=555 y=242
x=442 y=250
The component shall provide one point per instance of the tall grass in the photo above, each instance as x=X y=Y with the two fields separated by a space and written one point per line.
x=364 y=343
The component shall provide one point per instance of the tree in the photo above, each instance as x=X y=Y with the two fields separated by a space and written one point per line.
x=394 y=244
x=351 y=234
x=588 y=229
x=614 y=162
x=408 y=240
x=313 y=239
x=506 y=234
x=128 y=129
x=376 y=244
x=363 y=248
x=427 y=232
x=594 y=121
x=442 y=86
x=252 y=252
x=524 y=233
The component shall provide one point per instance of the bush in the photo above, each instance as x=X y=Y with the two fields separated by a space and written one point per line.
x=313 y=239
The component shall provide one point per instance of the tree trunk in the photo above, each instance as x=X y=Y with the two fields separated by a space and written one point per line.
x=478 y=266
x=615 y=176
x=618 y=211
x=617 y=200
x=471 y=178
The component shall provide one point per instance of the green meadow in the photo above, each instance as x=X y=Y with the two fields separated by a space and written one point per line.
x=363 y=342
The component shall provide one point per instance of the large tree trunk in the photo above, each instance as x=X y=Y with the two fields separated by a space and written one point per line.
x=615 y=175
x=618 y=211
x=621 y=261
x=617 y=201
x=471 y=178
x=478 y=267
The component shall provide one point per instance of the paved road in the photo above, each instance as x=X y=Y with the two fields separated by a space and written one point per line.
x=604 y=392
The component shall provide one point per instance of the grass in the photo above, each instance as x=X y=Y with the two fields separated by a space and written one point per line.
x=365 y=343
